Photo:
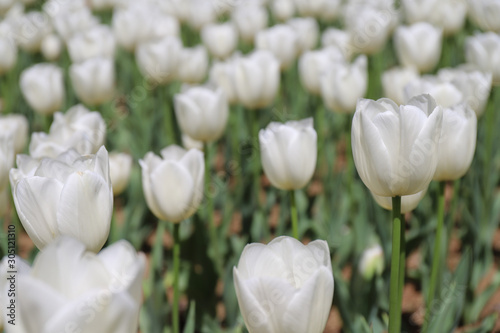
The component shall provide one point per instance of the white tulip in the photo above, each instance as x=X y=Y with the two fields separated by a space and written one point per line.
x=98 y=41
x=193 y=64
x=102 y=4
x=485 y=13
x=313 y=64
x=408 y=202
x=120 y=166
x=220 y=39
x=30 y=29
x=43 y=87
x=257 y=79
x=307 y=31
x=5 y=5
x=338 y=38
x=51 y=47
x=8 y=49
x=202 y=113
x=289 y=153
x=15 y=125
x=6 y=158
x=93 y=80
x=69 y=22
x=282 y=41
x=457 y=143
x=285 y=286
x=70 y=289
x=449 y=15
x=201 y=13
x=445 y=94
x=173 y=184
x=483 y=50
x=249 y=20
x=190 y=143
x=394 y=81
x=372 y=262
x=417 y=10
x=222 y=75
x=327 y=9
x=68 y=195
x=283 y=10
x=77 y=129
x=418 y=45
x=343 y=84
x=395 y=148
x=158 y=60
x=179 y=9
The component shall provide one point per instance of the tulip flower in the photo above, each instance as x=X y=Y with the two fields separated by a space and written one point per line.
x=6 y=162
x=418 y=45
x=94 y=80
x=120 y=166
x=77 y=129
x=282 y=41
x=313 y=64
x=70 y=21
x=222 y=75
x=483 y=50
x=484 y=14
x=343 y=84
x=15 y=125
x=201 y=13
x=98 y=41
x=190 y=143
x=193 y=64
x=283 y=9
x=202 y=113
x=307 y=31
x=8 y=49
x=51 y=47
x=326 y=9
x=158 y=60
x=67 y=195
x=372 y=262
x=220 y=39
x=338 y=38
x=249 y=20
x=43 y=87
x=395 y=80
x=30 y=29
x=445 y=94
x=408 y=202
x=285 y=286
x=70 y=289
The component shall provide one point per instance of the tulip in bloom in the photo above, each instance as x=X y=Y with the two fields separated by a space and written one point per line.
x=158 y=60
x=395 y=148
x=51 y=47
x=201 y=13
x=43 y=87
x=313 y=64
x=307 y=31
x=30 y=29
x=70 y=289
x=220 y=39
x=6 y=162
x=173 y=183
x=8 y=50
x=483 y=50
x=190 y=143
x=98 y=41
x=338 y=38
x=67 y=195
x=372 y=262
x=282 y=41
x=69 y=22
x=249 y=20
x=15 y=125
x=485 y=14
x=222 y=75
x=395 y=80
x=202 y=113
x=445 y=94
x=408 y=202
x=120 y=166
x=94 y=80
x=289 y=153
x=283 y=9
x=285 y=286
x=326 y=9
x=193 y=64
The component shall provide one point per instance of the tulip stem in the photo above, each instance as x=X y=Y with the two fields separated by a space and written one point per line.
x=177 y=253
x=293 y=208
x=436 y=254
x=397 y=266
x=210 y=210
x=402 y=260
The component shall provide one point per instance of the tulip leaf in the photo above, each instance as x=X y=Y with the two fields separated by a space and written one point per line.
x=191 y=318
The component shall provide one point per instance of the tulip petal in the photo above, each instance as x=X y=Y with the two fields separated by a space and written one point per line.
x=273 y=162
x=189 y=115
x=301 y=157
x=195 y=164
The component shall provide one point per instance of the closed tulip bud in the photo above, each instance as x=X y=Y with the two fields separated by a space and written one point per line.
x=193 y=64
x=51 y=47
x=326 y=9
x=177 y=8
x=483 y=50
x=120 y=166
x=30 y=30
x=70 y=22
x=77 y=129
x=222 y=75
x=173 y=183
x=201 y=13
x=395 y=148
x=15 y=125
x=43 y=87
x=485 y=13
x=8 y=49
x=158 y=60
x=408 y=202
x=307 y=31
x=338 y=38
x=249 y=20
x=202 y=113
x=93 y=80
x=190 y=143
x=98 y=41
x=343 y=84
x=312 y=65
x=449 y=15
x=285 y=286
x=395 y=80
x=283 y=10
x=257 y=79
x=418 y=45
x=289 y=153
x=417 y=11
x=69 y=195
x=6 y=158
x=444 y=93
x=457 y=142
x=282 y=41
x=70 y=289
x=372 y=262
x=220 y=39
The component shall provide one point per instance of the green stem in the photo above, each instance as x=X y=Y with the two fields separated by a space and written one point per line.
x=168 y=115
x=295 y=222
x=402 y=260
x=395 y=287
x=210 y=210
x=436 y=254
x=177 y=253
x=255 y=154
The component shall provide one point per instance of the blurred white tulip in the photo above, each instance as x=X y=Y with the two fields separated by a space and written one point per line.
x=220 y=39
x=94 y=80
x=344 y=83
x=338 y=38
x=485 y=14
x=372 y=262
x=70 y=289
x=8 y=50
x=193 y=64
x=51 y=47
x=483 y=50
x=69 y=21
x=395 y=148
x=201 y=13
x=30 y=29
x=5 y=5
x=257 y=79
x=408 y=202
x=173 y=184
x=97 y=41
x=313 y=64
x=445 y=94
x=394 y=81
x=449 y=15
x=6 y=162
x=120 y=166
x=43 y=87
x=249 y=20
x=282 y=41
x=190 y=143
x=102 y=4
x=418 y=45
x=158 y=60
x=15 y=125
x=285 y=286
x=178 y=8
x=327 y=9
x=222 y=74
x=289 y=153
x=68 y=195
x=77 y=129
x=307 y=30
x=283 y=10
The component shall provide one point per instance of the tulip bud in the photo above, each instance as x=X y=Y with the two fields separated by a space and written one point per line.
x=485 y=13
x=98 y=41
x=338 y=38
x=158 y=60
x=77 y=129
x=220 y=39
x=408 y=202
x=173 y=184
x=289 y=153
x=343 y=84
x=8 y=50
x=418 y=45
x=15 y=125
x=372 y=262
x=190 y=143
x=313 y=64
x=201 y=13
x=395 y=80
x=202 y=113
x=283 y=10
x=282 y=41
x=30 y=30
x=444 y=93
x=69 y=22
x=68 y=195
x=93 y=80
x=51 y=47
x=449 y=15
x=483 y=50
x=70 y=289
x=285 y=286
x=257 y=79
x=307 y=31
x=395 y=148
x=193 y=64
x=222 y=75
x=120 y=166
x=249 y=20
x=6 y=158
x=43 y=87
x=326 y=9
